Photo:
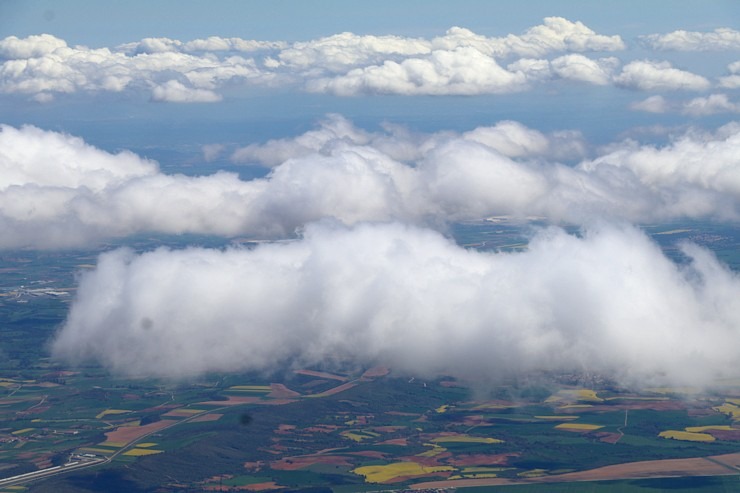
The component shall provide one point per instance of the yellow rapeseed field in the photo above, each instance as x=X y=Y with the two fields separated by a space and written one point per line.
x=381 y=474
x=113 y=444
x=686 y=435
x=434 y=451
x=189 y=411
x=534 y=473
x=584 y=395
x=358 y=435
x=138 y=452
x=588 y=395
x=578 y=426
x=730 y=409
x=94 y=450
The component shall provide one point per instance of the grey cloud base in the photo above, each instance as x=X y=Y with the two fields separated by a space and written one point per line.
x=608 y=301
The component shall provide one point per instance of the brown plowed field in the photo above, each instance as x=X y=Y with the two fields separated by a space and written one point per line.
x=261 y=486
x=395 y=441
x=481 y=459
x=280 y=391
x=206 y=417
x=725 y=434
x=376 y=371
x=232 y=401
x=126 y=434
x=293 y=463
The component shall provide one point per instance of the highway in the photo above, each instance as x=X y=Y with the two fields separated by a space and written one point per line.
x=76 y=462
x=79 y=461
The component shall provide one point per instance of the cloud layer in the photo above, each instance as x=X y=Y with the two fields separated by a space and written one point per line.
x=609 y=302
x=719 y=39
x=460 y=62
x=56 y=191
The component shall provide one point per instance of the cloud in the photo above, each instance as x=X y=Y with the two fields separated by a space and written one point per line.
x=344 y=51
x=274 y=152
x=46 y=65
x=31 y=156
x=608 y=301
x=514 y=140
x=509 y=138
x=720 y=39
x=555 y=34
x=211 y=152
x=701 y=106
x=175 y=92
x=463 y=71
x=58 y=192
x=646 y=75
x=212 y=43
x=14 y=48
x=578 y=67
x=714 y=103
x=731 y=81
x=459 y=62
x=652 y=104
x=696 y=171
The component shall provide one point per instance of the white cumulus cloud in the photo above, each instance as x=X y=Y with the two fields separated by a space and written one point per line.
x=652 y=104
x=580 y=68
x=56 y=191
x=175 y=92
x=463 y=71
x=720 y=39
x=458 y=62
x=731 y=81
x=714 y=103
x=608 y=301
x=646 y=75
x=509 y=138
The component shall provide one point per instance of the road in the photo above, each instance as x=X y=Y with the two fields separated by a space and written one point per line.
x=77 y=461
x=80 y=463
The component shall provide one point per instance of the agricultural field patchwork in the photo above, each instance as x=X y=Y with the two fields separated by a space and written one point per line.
x=351 y=430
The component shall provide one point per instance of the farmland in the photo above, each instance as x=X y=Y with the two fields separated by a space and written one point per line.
x=348 y=429
x=384 y=431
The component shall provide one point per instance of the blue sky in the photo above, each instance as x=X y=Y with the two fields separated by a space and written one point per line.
x=112 y=22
